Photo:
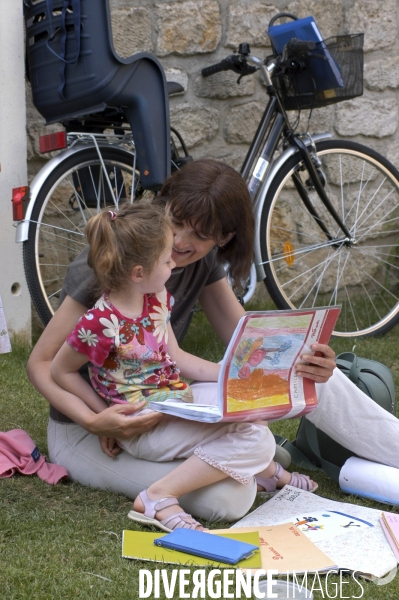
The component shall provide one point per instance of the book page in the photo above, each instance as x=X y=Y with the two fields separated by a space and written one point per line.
x=258 y=377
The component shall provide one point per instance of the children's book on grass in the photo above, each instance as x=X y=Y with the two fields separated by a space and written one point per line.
x=257 y=378
x=287 y=549
x=139 y=545
x=349 y=534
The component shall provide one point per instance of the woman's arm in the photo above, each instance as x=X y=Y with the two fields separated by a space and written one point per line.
x=221 y=308
x=111 y=422
x=190 y=366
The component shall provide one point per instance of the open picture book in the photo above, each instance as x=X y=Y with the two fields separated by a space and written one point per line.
x=257 y=378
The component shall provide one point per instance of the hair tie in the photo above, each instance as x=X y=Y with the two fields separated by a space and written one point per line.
x=112 y=215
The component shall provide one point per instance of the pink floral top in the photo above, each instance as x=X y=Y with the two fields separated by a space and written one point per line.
x=129 y=359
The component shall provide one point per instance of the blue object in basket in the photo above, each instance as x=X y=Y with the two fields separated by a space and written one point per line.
x=325 y=72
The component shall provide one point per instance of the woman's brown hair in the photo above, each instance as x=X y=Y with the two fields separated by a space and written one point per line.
x=214 y=200
x=119 y=241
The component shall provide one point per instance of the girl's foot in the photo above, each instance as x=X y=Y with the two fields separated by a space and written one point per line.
x=269 y=486
x=164 y=513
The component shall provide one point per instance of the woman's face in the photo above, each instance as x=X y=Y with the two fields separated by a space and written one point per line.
x=188 y=245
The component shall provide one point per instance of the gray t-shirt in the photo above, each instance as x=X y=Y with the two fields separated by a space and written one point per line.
x=185 y=285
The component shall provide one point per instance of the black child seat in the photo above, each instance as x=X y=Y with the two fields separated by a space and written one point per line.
x=74 y=71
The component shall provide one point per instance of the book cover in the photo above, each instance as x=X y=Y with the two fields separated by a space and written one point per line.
x=139 y=545
x=362 y=549
x=285 y=548
x=391 y=542
x=391 y=521
x=257 y=378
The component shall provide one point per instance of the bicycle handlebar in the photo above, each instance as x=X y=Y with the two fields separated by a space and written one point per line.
x=297 y=47
x=231 y=63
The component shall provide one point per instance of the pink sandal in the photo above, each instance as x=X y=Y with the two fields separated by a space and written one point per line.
x=303 y=482
x=151 y=507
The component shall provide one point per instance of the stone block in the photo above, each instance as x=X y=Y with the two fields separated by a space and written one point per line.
x=381 y=74
x=248 y=23
x=188 y=27
x=223 y=85
x=242 y=121
x=132 y=30
x=197 y=125
x=366 y=116
x=378 y=22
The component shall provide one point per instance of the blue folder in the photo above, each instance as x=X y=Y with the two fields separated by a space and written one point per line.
x=325 y=72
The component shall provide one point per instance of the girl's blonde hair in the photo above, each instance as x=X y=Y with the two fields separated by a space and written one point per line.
x=120 y=241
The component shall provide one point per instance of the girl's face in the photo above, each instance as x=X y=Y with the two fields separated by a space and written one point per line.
x=188 y=246
x=155 y=281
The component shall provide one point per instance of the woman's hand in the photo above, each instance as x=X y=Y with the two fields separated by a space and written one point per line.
x=119 y=421
x=318 y=367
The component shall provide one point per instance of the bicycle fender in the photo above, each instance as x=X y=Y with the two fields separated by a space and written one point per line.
x=21 y=234
x=260 y=200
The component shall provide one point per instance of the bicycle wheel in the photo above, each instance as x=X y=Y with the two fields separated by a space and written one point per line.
x=75 y=191
x=305 y=268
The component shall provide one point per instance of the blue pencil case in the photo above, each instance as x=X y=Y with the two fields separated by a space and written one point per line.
x=210 y=546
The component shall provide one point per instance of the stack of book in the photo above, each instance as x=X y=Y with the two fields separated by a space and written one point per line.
x=390 y=526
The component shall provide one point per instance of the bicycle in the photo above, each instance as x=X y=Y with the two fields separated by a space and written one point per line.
x=326 y=210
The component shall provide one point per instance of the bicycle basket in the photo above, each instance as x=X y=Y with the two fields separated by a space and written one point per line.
x=303 y=87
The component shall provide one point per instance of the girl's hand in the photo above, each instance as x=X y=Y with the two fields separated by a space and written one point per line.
x=319 y=367
x=109 y=446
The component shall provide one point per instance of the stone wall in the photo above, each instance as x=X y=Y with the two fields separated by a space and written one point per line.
x=216 y=116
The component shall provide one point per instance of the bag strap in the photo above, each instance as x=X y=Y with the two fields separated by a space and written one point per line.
x=76 y=22
x=349 y=361
x=303 y=461
x=298 y=457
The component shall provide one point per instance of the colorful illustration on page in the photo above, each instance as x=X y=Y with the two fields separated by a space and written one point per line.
x=262 y=360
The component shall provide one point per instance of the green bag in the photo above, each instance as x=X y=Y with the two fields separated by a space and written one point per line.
x=312 y=448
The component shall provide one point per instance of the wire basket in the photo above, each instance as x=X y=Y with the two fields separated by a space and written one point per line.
x=304 y=87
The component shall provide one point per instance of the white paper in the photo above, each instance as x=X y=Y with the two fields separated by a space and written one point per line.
x=370 y=479
x=364 y=550
x=5 y=345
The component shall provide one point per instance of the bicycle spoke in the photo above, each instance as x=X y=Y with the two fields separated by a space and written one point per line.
x=361 y=273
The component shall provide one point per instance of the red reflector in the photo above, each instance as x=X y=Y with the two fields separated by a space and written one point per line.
x=20 y=196
x=53 y=141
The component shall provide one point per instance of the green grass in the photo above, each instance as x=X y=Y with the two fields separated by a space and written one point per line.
x=65 y=541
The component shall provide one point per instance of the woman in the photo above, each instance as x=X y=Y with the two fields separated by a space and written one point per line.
x=207 y=201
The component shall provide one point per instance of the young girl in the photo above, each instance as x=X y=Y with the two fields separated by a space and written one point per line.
x=134 y=357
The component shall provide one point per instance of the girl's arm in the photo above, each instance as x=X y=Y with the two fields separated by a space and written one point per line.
x=111 y=422
x=191 y=367
x=65 y=371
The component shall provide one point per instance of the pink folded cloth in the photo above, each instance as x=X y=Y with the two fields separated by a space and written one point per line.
x=18 y=452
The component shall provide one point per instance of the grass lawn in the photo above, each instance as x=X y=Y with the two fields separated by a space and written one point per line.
x=65 y=541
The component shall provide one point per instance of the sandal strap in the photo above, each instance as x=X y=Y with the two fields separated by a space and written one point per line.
x=180 y=520
x=151 y=507
x=300 y=481
x=270 y=484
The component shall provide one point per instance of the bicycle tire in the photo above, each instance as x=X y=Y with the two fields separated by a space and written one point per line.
x=70 y=195
x=305 y=269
